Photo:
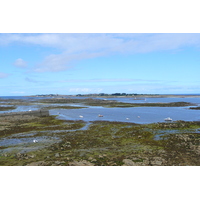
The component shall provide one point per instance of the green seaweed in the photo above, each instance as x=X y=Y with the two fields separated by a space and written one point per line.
x=107 y=143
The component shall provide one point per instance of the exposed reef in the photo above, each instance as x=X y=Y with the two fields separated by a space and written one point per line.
x=102 y=143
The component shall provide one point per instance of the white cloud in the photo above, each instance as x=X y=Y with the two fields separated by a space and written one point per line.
x=84 y=46
x=108 y=80
x=110 y=42
x=20 y=63
x=3 y=75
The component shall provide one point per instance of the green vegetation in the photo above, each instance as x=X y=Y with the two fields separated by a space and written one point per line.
x=195 y=108
x=120 y=104
x=104 y=143
x=64 y=107
x=112 y=103
x=100 y=143
x=7 y=108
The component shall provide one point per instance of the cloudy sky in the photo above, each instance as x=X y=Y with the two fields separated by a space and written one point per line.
x=99 y=63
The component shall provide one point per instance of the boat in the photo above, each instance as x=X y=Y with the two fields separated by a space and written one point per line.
x=168 y=119
x=100 y=115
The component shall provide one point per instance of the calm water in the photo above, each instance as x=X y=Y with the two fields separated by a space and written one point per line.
x=157 y=100
x=136 y=115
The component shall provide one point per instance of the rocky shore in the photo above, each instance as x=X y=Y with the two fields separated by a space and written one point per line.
x=65 y=143
x=35 y=138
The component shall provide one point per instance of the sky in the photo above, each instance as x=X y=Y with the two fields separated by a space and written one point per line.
x=85 y=63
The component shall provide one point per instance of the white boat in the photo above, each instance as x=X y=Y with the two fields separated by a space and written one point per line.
x=100 y=115
x=168 y=119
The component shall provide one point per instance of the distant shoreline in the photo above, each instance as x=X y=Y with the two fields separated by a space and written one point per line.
x=124 y=96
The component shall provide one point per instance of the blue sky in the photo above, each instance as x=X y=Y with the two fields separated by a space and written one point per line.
x=99 y=63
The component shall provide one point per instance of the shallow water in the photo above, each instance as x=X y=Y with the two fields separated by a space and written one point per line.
x=160 y=133
x=157 y=100
x=135 y=114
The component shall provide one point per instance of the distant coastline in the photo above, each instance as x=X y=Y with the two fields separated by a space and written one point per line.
x=104 y=95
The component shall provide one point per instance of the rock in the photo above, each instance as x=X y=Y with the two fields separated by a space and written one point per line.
x=39 y=163
x=198 y=150
x=59 y=162
x=157 y=161
x=81 y=163
x=128 y=162
x=145 y=162
x=57 y=155
x=18 y=155
x=90 y=158
x=31 y=156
